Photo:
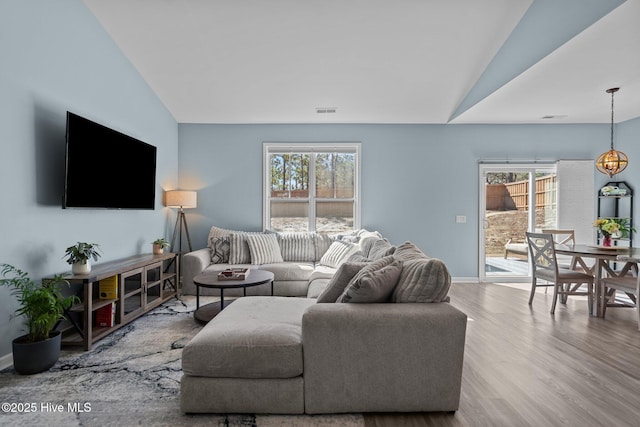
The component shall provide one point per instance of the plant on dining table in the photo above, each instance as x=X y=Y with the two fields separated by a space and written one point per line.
x=614 y=227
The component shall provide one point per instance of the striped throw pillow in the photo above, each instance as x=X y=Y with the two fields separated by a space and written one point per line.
x=297 y=246
x=338 y=252
x=264 y=248
x=323 y=242
x=239 y=248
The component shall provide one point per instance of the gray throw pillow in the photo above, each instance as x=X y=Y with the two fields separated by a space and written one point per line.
x=369 y=266
x=358 y=257
x=422 y=280
x=339 y=281
x=377 y=264
x=408 y=251
x=220 y=247
x=366 y=243
x=381 y=248
x=373 y=286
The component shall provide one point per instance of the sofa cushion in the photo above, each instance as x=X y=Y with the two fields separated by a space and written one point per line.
x=216 y=232
x=339 y=281
x=322 y=272
x=350 y=237
x=286 y=271
x=422 y=280
x=297 y=246
x=363 y=232
x=377 y=264
x=338 y=252
x=408 y=251
x=357 y=257
x=264 y=248
x=220 y=248
x=255 y=337
x=316 y=287
x=323 y=242
x=380 y=249
x=373 y=285
x=366 y=243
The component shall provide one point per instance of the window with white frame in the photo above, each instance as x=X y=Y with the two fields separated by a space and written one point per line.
x=311 y=187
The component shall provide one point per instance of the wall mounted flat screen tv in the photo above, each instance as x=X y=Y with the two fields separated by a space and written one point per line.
x=106 y=169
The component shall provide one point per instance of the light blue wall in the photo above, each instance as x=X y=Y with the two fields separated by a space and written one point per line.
x=54 y=57
x=415 y=178
x=627 y=139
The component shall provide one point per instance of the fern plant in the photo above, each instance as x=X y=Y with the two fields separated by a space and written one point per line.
x=41 y=305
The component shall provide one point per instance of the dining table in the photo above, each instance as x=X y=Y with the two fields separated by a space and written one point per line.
x=606 y=260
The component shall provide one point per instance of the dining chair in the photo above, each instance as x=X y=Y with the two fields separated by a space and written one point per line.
x=545 y=267
x=628 y=284
x=563 y=238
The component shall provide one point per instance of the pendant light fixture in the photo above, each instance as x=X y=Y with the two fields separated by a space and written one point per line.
x=612 y=162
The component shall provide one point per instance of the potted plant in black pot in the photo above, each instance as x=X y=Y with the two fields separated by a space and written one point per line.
x=43 y=306
x=80 y=255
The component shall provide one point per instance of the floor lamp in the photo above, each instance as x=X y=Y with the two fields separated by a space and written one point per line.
x=182 y=200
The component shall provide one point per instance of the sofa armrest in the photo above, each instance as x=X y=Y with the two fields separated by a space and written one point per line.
x=383 y=357
x=193 y=263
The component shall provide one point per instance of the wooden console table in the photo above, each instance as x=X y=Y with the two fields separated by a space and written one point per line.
x=143 y=283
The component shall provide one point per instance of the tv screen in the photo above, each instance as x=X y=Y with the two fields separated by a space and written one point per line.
x=107 y=169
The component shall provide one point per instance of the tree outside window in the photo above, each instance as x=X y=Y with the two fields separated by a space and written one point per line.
x=329 y=206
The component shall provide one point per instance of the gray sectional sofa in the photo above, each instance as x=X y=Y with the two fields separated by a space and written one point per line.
x=379 y=336
x=303 y=269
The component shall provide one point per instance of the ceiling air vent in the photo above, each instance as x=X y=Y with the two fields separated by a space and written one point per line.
x=326 y=110
x=556 y=116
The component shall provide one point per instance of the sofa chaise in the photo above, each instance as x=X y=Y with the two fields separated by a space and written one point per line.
x=381 y=336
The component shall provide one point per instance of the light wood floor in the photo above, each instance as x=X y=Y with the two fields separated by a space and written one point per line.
x=526 y=367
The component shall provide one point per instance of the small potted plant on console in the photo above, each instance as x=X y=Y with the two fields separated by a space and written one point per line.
x=80 y=255
x=43 y=306
x=159 y=246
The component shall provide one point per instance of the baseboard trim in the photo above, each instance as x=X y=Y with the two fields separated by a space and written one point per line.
x=465 y=280
x=6 y=361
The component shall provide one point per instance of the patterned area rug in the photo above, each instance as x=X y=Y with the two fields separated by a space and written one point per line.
x=131 y=377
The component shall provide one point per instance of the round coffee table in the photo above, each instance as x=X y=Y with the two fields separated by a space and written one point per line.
x=210 y=280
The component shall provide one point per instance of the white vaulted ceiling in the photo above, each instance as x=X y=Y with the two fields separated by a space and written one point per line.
x=403 y=61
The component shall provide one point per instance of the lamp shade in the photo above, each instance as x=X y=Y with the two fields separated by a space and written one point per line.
x=181 y=199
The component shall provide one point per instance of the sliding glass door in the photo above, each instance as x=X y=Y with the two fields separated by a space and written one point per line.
x=514 y=199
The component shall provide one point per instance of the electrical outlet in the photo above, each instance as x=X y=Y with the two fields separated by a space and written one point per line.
x=461 y=219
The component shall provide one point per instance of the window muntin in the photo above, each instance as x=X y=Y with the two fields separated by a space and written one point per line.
x=311 y=187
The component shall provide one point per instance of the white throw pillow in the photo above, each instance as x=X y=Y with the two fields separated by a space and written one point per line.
x=239 y=248
x=338 y=252
x=264 y=248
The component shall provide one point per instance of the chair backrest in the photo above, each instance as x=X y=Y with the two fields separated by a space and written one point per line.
x=564 y=237
x=542 y=252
